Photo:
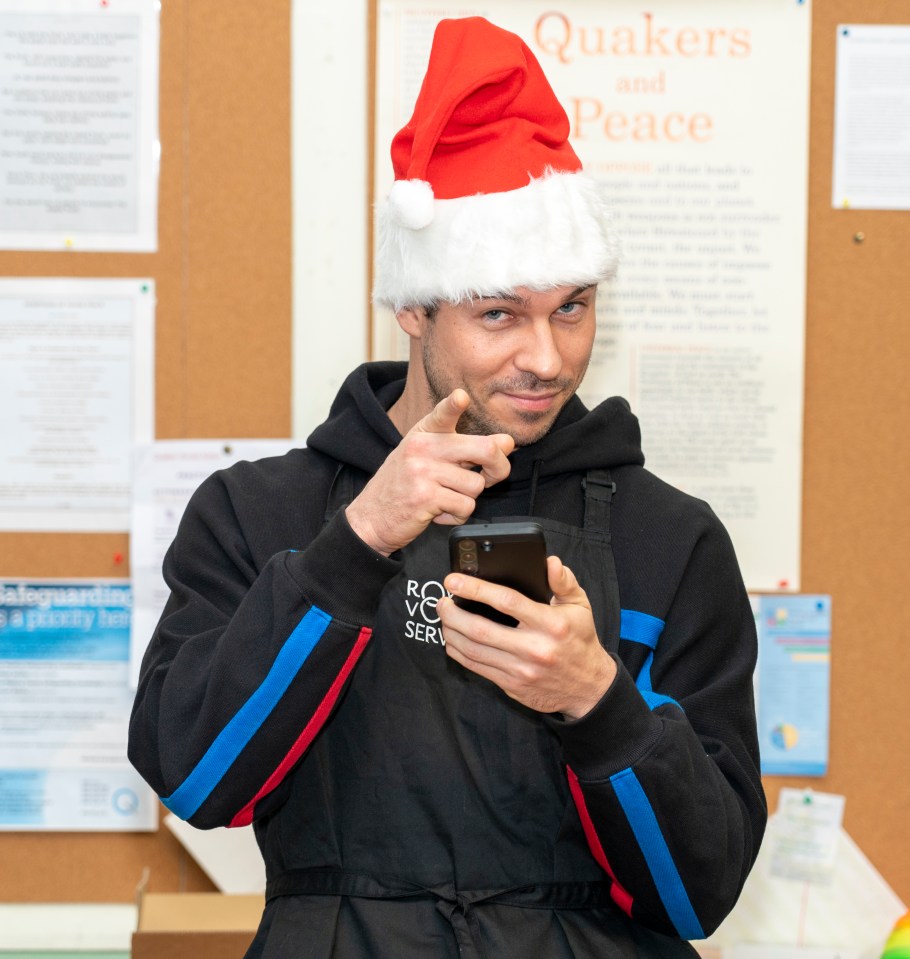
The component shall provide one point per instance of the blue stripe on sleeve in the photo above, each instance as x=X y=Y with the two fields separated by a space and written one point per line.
x=658 y=699
x=640 y=627
x=647 y=690
x=644 y=677
x=229 y=743
x=650 y=839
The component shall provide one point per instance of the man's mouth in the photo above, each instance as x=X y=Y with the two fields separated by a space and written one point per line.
x=533 y=402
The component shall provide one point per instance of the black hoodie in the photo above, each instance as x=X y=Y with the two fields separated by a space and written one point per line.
x=272 y=606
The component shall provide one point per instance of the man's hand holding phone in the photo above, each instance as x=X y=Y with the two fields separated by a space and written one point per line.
x=552 y=661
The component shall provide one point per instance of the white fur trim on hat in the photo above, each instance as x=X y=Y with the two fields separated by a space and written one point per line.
x=553 y=232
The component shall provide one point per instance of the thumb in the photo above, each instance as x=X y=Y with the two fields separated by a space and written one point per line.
x=565 y=587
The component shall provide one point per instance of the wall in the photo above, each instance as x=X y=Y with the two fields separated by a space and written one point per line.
x=224 y=335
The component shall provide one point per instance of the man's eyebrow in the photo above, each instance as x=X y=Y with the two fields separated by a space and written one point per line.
x=522 y=301
x=581 y=289
x=510 y=297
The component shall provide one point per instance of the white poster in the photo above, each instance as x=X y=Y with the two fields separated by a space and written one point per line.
x=872 y=117
x=79 y=147
x=64 y=709
x=76 y=391
x=165 y=476
x=695 y=117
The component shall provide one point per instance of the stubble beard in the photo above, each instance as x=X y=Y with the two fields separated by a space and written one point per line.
x=477 y=421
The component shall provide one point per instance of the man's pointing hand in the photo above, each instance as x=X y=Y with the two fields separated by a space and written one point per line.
x=432 y=476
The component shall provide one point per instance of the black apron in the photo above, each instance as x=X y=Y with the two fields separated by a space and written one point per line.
x=430 y=793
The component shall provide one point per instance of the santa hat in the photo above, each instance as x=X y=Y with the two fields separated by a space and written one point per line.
x=488 y=194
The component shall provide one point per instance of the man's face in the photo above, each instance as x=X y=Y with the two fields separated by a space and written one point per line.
x=520 y=357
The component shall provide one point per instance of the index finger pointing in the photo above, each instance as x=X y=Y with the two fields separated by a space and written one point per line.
x=444 y=417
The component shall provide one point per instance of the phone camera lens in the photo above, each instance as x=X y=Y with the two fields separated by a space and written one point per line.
x=469 y=568
x=467 y=545
x=468 y=556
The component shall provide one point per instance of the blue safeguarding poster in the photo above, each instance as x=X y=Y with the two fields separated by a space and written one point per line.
x=65 y=701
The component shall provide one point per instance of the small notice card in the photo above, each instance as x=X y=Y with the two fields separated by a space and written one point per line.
x=804 y=844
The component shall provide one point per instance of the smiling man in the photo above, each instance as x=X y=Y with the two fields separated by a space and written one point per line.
x=521 y=358
x=424 y=781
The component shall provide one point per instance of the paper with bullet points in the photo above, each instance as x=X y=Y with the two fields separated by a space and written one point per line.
x=76 y=391
x=79 y=148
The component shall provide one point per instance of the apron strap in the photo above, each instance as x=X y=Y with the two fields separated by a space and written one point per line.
x=456 y=907
x=599 y=490
x=603 y=593
x=338 y=882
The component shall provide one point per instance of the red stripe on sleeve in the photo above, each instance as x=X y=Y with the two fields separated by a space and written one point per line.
x=620 y=896
x=245 y=816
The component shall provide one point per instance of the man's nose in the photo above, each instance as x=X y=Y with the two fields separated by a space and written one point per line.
x=539 y=353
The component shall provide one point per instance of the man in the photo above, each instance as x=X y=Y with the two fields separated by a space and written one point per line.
x=424 y=781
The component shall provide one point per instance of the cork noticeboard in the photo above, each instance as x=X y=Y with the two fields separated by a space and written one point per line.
x=222 y=350
x=223 y=276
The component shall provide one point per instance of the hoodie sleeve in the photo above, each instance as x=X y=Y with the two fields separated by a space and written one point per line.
x=248 y=660
x=664 y=771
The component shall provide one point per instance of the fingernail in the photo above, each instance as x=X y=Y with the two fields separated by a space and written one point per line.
x=453 y=583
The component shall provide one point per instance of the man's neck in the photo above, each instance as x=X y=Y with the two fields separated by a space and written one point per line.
x=406 y=410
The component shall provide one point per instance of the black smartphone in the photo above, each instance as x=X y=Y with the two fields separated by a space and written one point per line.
x=512 y=554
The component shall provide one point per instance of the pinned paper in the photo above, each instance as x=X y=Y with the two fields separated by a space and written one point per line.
x=804 y=845
x=871 y=117
x=850 y=917
x=794 y=666
x=165 y=475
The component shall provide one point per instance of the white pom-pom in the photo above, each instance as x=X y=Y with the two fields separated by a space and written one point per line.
x=411 y=203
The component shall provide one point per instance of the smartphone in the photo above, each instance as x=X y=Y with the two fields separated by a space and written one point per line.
x=512 y=554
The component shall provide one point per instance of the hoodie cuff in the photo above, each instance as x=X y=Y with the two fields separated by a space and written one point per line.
x=613 y=736
x=340 y=574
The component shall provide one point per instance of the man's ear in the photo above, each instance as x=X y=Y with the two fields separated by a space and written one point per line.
x=411 y=319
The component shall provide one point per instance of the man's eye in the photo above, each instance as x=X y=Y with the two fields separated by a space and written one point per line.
x=494 y=315
x=567 y=309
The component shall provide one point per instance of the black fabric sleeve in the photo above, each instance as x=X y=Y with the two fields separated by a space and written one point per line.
x=673 y=794
x=237 y=645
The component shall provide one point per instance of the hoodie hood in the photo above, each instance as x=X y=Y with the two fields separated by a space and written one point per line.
x=358 y=431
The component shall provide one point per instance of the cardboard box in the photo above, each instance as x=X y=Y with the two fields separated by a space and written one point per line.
x=195 y=925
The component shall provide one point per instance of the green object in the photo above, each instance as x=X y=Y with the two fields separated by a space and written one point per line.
x=898 y=944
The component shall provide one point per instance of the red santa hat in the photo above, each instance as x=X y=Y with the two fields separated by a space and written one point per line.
x=488 y=194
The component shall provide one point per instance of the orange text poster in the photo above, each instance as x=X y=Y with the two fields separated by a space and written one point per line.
x=695 y=118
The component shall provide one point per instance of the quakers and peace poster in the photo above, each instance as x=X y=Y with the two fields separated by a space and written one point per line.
x=695 y=119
